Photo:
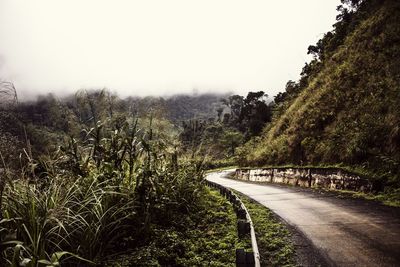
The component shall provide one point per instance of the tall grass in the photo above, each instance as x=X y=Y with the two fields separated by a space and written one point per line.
x=101 y=193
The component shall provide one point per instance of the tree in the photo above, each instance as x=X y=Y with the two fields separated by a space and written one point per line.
x=231 y=139
x=255 y=113
x=8 y=94
x=248 y=115
x=235 y=105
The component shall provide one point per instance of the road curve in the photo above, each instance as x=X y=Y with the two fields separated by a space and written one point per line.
x=347 y=232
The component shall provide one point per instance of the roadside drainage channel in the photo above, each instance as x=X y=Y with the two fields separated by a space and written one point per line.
x=244 y=226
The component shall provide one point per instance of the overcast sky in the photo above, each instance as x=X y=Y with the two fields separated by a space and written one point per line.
x=158 y=47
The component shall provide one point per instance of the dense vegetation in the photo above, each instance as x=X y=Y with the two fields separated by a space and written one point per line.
x=345 y=109
x=178 y=108
x=89 y=176
x=206 y=237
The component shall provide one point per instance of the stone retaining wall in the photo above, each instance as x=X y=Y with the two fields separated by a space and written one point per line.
x=329 y=178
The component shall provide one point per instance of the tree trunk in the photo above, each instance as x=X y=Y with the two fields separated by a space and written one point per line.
x=2 y=185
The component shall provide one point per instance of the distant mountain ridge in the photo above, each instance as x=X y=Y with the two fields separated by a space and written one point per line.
x=185 y=107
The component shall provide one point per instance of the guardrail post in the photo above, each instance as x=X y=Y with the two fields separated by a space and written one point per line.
x=243 y=228
x=240 y=257
x=250 y=259
x=241 y=213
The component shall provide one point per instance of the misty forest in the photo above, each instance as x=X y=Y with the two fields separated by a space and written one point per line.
x=96 y=179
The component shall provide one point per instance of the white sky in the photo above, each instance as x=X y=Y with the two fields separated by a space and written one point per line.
x=158 y=47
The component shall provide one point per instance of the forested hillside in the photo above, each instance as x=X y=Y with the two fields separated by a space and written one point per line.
x=179 y=107
x=345 y=109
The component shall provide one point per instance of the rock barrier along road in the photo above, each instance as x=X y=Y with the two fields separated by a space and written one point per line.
x=346 y=232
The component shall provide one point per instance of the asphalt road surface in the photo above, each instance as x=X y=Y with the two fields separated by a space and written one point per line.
x=346 y=232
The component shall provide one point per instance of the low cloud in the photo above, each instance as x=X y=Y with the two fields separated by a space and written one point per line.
x=157 y=47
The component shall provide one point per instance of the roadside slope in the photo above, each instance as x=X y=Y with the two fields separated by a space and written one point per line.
x=346 y=107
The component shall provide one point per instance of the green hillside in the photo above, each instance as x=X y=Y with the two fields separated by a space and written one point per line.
x=345 y=110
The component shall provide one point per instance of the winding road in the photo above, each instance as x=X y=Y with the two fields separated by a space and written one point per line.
x=346 y=232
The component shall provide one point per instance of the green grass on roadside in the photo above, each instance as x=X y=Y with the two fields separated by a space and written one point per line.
x=205 y=238
x=273 y=238
x=388 y=198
